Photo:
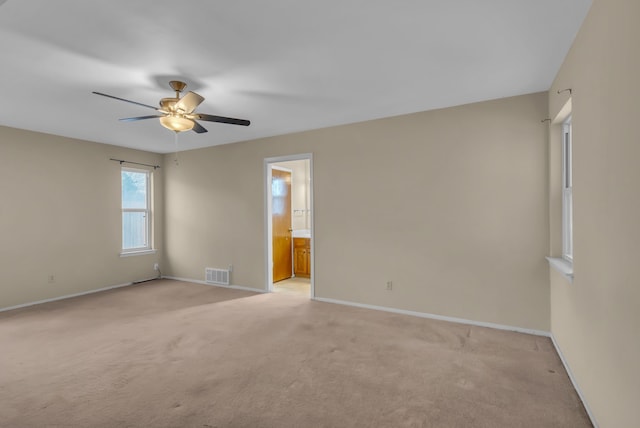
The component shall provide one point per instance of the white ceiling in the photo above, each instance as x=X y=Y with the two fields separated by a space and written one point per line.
x=286 y=65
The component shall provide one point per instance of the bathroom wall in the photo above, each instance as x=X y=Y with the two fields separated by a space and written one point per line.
x=300 y=193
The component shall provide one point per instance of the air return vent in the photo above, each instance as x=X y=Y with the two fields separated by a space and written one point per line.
x=216 y=276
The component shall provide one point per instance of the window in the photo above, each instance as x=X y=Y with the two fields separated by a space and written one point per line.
x=563 y=129
x=567 y=193
x=136 y=212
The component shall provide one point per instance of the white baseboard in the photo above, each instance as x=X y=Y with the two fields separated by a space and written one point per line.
x=140 y=281
x=234 y=287
x=436 y=317
x=67 y=296
x=574 y=382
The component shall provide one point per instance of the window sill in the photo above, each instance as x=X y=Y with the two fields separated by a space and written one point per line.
x=563 y=266
x=137 y=253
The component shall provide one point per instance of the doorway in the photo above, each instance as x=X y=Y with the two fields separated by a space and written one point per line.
x=289 y=224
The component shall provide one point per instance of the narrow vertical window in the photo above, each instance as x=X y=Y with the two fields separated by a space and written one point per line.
x=136 y=213
x=567 y=192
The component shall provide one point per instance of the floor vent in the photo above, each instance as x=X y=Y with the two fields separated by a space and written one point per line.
x=216 y=276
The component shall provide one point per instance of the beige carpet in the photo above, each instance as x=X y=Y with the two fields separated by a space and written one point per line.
x=172 y=354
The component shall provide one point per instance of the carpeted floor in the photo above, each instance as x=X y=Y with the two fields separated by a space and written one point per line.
x=173 y=354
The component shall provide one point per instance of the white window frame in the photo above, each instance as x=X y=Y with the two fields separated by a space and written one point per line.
x=148 y=248
x=567 y=191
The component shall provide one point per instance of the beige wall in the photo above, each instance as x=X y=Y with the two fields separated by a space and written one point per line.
x=451 y=205
x=60 y=214
x=596 y=319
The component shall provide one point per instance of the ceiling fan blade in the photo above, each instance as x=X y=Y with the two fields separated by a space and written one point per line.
x=189 y=102
x=221 y=119
x=197 y=128
x=122 y=99
x=133 y=119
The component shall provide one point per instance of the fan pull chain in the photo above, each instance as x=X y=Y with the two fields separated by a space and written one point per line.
x=175 y=158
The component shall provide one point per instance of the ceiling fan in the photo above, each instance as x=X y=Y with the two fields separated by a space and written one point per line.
x=178 y=113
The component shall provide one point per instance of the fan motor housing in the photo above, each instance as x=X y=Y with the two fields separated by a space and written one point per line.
x=168 y=103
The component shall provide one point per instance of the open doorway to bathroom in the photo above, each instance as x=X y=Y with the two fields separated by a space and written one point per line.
x=289 y=224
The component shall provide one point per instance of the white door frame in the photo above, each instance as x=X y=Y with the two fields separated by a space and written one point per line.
x=268 y=166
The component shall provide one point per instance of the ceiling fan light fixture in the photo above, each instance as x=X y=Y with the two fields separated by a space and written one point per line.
x=177 y=113
x=177 y=123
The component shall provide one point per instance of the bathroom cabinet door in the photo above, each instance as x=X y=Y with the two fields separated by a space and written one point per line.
x=302 y=257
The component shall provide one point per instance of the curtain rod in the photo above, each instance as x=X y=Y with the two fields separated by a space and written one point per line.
x=135 y=163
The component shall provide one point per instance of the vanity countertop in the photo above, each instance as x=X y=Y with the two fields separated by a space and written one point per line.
x=301 y=233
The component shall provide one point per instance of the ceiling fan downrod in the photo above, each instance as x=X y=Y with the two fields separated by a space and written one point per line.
x=177 y=86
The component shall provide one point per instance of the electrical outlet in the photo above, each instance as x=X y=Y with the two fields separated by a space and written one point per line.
x=389 y=285
x=51 y=279
x=156 y=266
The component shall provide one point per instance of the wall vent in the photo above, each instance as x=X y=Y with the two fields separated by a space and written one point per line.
x=216 y=276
